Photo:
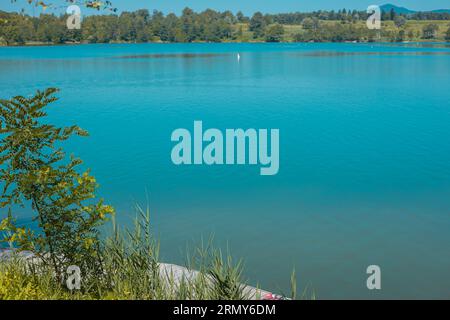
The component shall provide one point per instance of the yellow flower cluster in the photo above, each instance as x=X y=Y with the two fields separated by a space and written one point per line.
x=43 y=175
x=13 y=287
x=104 y=211
x=4 y=225
x=18 y=235
x=86 y=179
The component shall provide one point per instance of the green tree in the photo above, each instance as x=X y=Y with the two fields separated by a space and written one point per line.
x=228 y=17
x=127 y=28
x=16 y=29
x=274 y=33
x=447 y=34
x=142 y=26
x=241 y=17
x=50 y=29
x=239 y=33
x=429 y=31
x=171 y=29
x=401 y=36
x=34 y=171
x=188 y=19
x=399 y=21
x=308 y=23
x=392 y=14
x=257 y=25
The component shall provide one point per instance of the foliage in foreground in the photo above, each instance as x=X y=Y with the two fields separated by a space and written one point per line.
x=131 y=272
x=34 y=171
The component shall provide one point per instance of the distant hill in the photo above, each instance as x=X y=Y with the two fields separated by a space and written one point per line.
x=398 y=10
x=402 y=10
x=442 y=11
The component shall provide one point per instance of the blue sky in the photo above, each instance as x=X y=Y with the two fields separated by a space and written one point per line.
x=250 y=6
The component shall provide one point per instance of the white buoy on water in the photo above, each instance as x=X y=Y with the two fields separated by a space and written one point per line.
x=238 y=57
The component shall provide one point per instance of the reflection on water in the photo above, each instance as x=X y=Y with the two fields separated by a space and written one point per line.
x=171 y=55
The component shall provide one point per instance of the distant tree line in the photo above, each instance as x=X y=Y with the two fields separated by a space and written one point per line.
x=321 y=31
x=350 y=15
x=209 y=26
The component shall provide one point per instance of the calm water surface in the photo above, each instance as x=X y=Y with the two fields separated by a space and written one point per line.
x=364 y=152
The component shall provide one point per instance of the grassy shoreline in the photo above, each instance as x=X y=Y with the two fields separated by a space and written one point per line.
x=50 y=44
x=132 y=270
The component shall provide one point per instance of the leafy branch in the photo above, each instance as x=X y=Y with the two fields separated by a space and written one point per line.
x=92 y=4
x=34 y=170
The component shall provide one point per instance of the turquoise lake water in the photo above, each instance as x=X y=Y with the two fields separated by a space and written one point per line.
x=364 y=153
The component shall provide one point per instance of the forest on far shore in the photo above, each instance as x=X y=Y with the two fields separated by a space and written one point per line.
x=213 y=26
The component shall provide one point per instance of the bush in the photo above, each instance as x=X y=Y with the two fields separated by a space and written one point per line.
x=430 y=31
x=35 y=172
x=274 y=33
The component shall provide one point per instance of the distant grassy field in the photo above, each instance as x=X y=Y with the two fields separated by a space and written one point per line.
x=417 y=25
x=412 y=27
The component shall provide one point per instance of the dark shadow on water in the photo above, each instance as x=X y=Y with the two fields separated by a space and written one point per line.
x=371 y=53
x=418 y=45
x=172 y=55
